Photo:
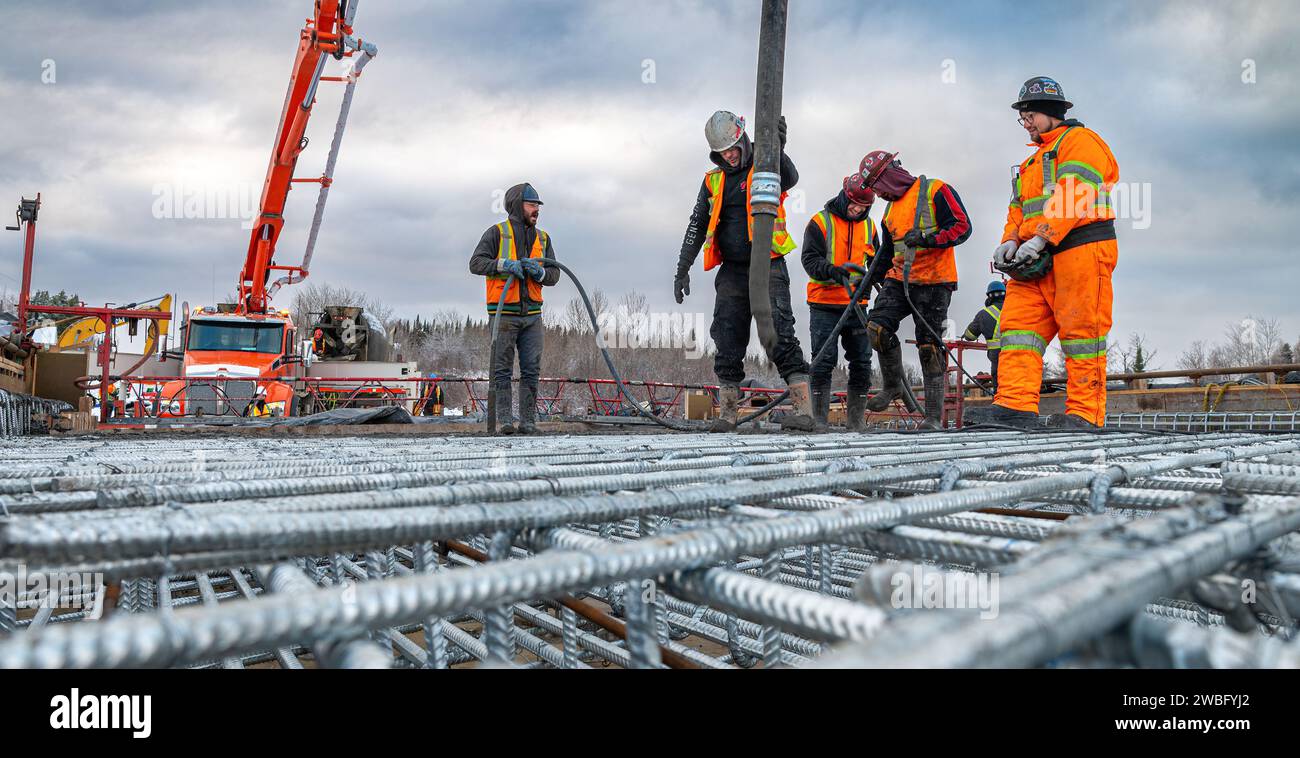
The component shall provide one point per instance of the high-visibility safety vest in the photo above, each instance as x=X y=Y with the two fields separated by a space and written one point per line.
x=932 y=265
x=1078 y=160
x=846 y=242
x=995 y=342
x=716 y=179
x=506 y=250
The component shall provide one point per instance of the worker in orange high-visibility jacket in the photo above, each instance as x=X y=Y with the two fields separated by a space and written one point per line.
x=924 y=221
x=722 y=225
x=841 y=234
x=1059 y=249
x=509 y=255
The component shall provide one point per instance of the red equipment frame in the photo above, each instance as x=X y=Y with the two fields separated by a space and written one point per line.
x=28 y=210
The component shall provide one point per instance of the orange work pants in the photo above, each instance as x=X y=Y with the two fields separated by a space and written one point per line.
x=1073 y=301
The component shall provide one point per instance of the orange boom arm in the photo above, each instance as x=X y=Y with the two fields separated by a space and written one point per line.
x=327 y=34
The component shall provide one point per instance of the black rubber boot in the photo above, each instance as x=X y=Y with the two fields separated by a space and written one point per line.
x=997 y=415
x=1070 y=421
x=527 y=410
x=855 y=407
x=728 y=407
x=821 y=406
x=505 y=410
x=891 y=371
x=934 y=391
x=933 y=369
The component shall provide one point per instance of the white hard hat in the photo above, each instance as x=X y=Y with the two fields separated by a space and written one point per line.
x=723 y=130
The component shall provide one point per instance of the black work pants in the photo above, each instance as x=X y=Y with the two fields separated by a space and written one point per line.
x=732 y=317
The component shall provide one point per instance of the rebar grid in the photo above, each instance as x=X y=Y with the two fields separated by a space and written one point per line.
x=645 y=550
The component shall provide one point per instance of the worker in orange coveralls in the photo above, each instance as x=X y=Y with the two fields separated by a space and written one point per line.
x=1059 y=250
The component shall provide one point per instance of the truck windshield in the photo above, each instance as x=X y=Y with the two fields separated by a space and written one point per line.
x=230 y=335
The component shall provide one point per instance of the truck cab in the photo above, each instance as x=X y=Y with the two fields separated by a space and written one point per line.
x=231 y=365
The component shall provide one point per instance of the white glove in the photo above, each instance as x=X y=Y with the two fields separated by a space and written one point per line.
x=1005 y=252
x=1030 y=250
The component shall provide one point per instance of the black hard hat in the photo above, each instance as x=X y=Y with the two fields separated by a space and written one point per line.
x=1041 y=88
x=530 y=195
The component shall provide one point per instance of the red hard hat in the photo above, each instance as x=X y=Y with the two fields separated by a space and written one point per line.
x=874 y=164
x=857 y=191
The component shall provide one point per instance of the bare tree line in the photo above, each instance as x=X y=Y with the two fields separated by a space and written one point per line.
x=1249 y=342
x=644 y=344
x=654 y=346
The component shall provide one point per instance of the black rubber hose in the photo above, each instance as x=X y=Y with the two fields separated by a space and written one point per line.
x=767 y=161
x=624 y=395
x=916 y=316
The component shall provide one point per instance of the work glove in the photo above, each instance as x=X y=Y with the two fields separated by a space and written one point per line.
x=514 y=268
x=781 y=131
x=1029 y=251
x=842 y=275
x=681 y=285
x=534 y=269
x=1005 y=252
x=915 y=238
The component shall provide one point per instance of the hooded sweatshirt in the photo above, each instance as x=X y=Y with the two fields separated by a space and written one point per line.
x=484 y=260
x=732 y=234
x=814 y=259
x=893 y=183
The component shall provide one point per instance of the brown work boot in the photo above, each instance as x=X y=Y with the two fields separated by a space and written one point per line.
x=801 y=420
x=728 y=407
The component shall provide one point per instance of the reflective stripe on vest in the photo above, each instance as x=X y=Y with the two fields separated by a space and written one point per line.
x=716 y=181
x=926 y=190
x=497 y=281
x=1024 y=339
x=1075 y=171
x=841 y=248
x=995 y=342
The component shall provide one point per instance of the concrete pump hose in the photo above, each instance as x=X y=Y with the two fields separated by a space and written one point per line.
x=624 y=395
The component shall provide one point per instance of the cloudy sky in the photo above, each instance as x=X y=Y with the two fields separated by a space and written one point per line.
x=111 y=106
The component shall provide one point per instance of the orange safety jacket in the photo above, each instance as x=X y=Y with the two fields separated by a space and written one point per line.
x=506 y=250
x=782 y=242
x=1065 y=184
x=846 y=242
x=933 y=265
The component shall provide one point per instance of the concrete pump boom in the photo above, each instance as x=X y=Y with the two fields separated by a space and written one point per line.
x=327 y=34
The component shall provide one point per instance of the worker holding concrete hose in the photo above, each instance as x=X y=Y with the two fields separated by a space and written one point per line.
x=842 y=233
x=925 y=220
x=988 y=324
x=721 y=224
x=1059 y=249
x=508 y=255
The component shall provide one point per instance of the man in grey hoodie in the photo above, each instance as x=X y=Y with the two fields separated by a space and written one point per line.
x=509 y=254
